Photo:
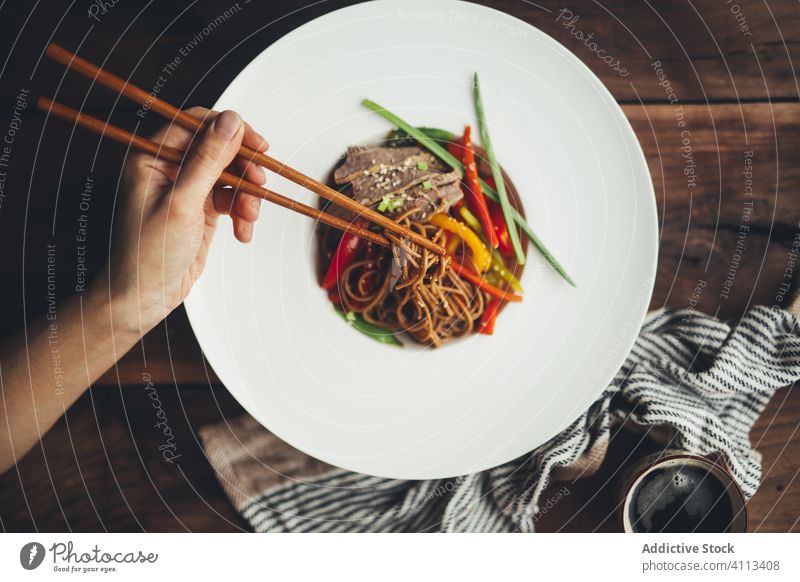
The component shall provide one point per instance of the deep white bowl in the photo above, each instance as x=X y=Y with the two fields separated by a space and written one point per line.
x=270 y=332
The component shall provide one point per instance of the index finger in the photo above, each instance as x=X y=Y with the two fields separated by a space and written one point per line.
x=175 y=136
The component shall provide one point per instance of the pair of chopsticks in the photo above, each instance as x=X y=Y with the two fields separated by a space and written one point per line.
x=173 y=114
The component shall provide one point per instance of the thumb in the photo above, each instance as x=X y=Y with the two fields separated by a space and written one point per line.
x=213 y=150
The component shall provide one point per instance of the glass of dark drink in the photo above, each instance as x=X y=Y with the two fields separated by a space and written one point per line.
x=675 y=492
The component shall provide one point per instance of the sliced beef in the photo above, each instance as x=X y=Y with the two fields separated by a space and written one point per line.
x=444 y=191
x=361 y=160
x=410 y=177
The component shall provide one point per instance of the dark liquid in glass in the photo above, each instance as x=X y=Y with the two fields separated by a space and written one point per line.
x=681 y=499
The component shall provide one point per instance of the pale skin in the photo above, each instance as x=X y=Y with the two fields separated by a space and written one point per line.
x=159 y=247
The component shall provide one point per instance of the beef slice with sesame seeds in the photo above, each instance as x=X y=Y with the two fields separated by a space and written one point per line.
x=444 y=191
x=409 y=174
x=360 y=161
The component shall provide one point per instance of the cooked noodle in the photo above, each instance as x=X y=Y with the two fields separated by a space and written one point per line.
x=410 y=289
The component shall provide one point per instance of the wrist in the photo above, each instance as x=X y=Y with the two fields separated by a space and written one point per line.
x=119 y=307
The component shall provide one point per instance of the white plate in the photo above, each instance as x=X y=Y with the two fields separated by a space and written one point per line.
x=272 y=336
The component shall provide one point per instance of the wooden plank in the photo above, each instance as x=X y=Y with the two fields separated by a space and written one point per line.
x=721 y=280
x=100 y=467
x=728 y=226
x=712 y=144
x=702 y=46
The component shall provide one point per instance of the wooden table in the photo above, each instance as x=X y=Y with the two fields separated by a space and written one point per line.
x=727 y=75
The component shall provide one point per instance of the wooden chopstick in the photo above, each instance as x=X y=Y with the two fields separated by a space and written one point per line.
x=170 y=112
x=176 y=157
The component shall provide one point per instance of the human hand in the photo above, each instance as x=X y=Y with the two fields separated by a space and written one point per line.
x=168 y=215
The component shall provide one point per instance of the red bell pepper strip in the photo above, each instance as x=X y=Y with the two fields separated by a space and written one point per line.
x=456 y=149
x=493 y=309
x=499 y=222
x=344 y=256
x=473 y=183
x=480 y=282
x=501 y=230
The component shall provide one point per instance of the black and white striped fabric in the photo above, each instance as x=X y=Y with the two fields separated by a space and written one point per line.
x=697 y=382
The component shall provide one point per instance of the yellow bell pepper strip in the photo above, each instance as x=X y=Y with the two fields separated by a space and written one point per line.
x=494 y=279
x=453 y=242
x=481 y=283
x=499 y=268
x=470 y=219
x=498 y=264
x=480 y=254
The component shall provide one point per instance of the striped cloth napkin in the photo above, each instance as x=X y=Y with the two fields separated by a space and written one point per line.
x=691 y=381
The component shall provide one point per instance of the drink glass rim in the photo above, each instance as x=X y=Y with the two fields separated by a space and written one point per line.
x=720 y=471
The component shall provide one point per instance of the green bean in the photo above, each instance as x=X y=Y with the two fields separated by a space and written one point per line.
x=497 y=174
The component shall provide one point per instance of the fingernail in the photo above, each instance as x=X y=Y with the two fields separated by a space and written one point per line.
x=227 y=124
x=263 y=174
